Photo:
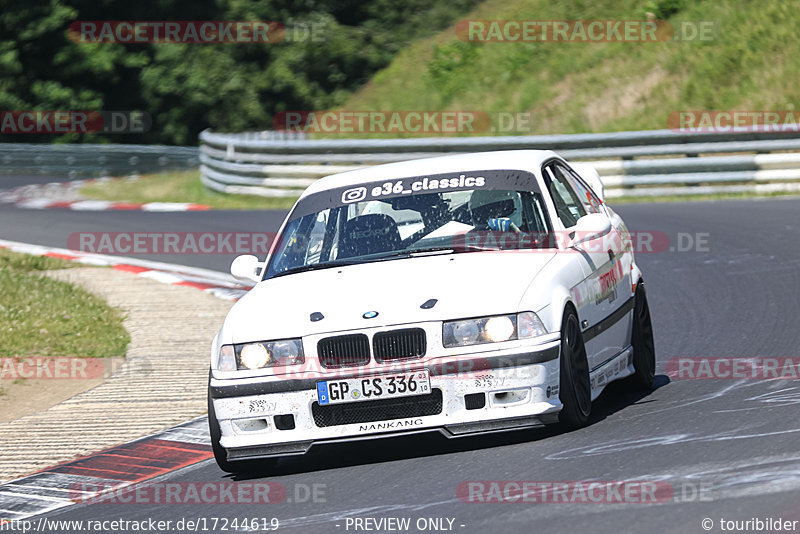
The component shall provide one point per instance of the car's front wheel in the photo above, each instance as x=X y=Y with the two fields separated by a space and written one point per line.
x=644 y=352
x=574 y=390
x=221 y=455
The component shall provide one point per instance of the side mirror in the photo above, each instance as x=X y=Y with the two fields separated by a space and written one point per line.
x=590 y=227
x=246 y=268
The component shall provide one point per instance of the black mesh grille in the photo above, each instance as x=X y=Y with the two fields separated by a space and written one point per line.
x=399 y=344
x=284 y=422
x=377 y=410
x=475 y=401
x=343 y=351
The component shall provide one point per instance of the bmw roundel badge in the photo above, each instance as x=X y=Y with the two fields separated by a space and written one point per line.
x=370 y=315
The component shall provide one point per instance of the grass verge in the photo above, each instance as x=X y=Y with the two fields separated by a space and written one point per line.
x=749 y=63
x=40 y=316
x=179 y=186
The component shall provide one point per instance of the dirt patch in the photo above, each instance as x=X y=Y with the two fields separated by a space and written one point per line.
x=21 y=397
x=621 y=99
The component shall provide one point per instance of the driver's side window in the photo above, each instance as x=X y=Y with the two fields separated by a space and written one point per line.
x=568 y=205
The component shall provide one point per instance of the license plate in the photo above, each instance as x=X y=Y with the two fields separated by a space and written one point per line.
x=374 y=387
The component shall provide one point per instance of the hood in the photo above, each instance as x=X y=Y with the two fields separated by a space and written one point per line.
x=464 y=285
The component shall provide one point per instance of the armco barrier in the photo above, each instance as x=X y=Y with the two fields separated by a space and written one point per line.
x=647 y=163
x=90 y=160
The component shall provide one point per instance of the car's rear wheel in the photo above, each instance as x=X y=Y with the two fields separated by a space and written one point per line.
x=644 y=352
x=574 y=390
x=221 y=455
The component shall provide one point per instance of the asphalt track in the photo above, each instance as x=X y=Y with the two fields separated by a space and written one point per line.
x=10 y=181
x=727 y=447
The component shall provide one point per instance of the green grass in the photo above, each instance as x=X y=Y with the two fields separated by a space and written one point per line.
x=574 y=87
x=184 y=186
x=40 y=316
x=566 y=87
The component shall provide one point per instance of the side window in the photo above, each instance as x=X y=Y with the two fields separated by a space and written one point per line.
x=589 y=200
x=568 y=205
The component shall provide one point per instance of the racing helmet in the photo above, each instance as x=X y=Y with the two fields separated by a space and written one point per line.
x=487 y=204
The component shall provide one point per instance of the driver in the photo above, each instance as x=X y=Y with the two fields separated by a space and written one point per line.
x=493 y=210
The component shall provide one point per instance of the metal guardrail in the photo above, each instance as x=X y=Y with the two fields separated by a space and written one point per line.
x=91 y=160
x=645 y=163
x=273 y=164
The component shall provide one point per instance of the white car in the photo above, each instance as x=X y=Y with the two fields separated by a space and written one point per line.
x=461 y=294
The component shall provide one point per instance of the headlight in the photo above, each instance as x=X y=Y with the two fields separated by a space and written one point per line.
x=254 y=356
x=529 y=325
x=500 y=328
x=261 y=354
x=480 y=330
x=491 y=329
x=464 y=332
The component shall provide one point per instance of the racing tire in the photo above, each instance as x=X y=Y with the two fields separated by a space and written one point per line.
x=574 y=390
x=644 y=352
x=241 y=467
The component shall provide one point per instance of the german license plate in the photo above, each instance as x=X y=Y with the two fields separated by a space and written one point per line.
x=374 y=387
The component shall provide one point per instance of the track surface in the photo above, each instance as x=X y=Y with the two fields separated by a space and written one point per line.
x=735 y=439
x=10 y=181
x=53 y=228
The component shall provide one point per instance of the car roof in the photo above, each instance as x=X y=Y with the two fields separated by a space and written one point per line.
x=526 y=160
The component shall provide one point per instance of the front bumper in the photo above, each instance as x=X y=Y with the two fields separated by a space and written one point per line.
x=280 y=417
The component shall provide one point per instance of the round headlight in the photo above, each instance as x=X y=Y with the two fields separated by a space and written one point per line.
x=254 y=356
x=499 y=329
x=285 y=351
x=466 y=333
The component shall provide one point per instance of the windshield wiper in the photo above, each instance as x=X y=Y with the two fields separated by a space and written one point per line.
x=314 y=267
x=408 y=253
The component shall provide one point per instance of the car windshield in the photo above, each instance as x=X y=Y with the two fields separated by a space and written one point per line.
x=401 y=226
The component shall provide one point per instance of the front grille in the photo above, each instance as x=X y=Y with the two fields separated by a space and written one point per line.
x=377 y=410
x=399 y=344
x=343 y=351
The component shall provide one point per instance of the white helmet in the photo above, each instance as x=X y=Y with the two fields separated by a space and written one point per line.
x=488 y=204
